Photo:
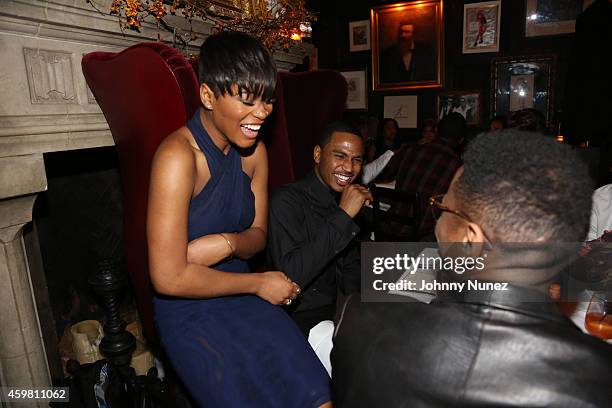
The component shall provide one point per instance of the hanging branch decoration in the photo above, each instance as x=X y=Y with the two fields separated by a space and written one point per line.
x=277 y=23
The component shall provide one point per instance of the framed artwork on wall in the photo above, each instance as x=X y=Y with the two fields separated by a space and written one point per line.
x=481 y=24
x=403 y=109
x=357 y=84
x=552 y=17
x=467 y=103
x=407 y=45
x=359 y=35
x=522 y=82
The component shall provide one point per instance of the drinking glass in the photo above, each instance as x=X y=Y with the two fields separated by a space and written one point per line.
x=598 y=320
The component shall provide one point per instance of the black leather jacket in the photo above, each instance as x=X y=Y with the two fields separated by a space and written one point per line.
x=486 y=349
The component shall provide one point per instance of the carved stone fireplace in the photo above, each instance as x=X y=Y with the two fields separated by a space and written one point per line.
x=47 y=107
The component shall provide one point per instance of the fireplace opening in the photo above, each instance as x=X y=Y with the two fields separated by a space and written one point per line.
x=77 y=223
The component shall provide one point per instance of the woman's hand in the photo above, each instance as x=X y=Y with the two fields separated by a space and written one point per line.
x=209 y=250
x=277 y=288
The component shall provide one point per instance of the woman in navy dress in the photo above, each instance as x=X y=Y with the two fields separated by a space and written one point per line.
x=221 y=326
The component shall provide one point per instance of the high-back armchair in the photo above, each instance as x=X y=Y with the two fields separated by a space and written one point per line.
x=146 y=92
x=305 y=103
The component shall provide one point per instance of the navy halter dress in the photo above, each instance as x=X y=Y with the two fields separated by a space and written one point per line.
x=235 y=351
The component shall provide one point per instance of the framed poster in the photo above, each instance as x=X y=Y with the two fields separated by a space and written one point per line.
x=403 y=109
x=357 y=97
x=359 y=35
x=481 y=24
x=522 y=82
x=407 y=45
x=467 y=103
x=552 y=17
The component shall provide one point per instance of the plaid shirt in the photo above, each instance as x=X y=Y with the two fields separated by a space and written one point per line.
x=425 y=169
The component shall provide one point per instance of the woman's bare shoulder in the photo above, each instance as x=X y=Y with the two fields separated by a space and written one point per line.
x=179 y=145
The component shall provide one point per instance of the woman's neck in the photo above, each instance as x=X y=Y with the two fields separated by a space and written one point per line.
x=218 y=138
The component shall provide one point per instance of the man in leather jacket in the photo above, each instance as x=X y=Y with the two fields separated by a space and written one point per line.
x=484 y=348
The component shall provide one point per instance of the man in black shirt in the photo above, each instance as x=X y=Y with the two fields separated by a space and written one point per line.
x=311 y=229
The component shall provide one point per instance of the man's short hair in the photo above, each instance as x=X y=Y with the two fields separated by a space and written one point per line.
x=529 y=119
x=524 y=187
x=452 y=129
x=234 y=58
x=338 y=126
x=501 y=119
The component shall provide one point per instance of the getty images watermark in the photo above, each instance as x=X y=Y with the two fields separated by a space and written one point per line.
x=417 y=271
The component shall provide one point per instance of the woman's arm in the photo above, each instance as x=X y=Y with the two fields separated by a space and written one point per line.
x=211 y=249
x=172 y=181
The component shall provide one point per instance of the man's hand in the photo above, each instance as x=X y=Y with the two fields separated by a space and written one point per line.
x=353 y=197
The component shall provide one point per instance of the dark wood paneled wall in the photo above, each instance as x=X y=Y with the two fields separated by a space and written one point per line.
x=461 y=71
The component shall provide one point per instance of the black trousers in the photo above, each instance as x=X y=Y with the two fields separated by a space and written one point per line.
x=307 y=319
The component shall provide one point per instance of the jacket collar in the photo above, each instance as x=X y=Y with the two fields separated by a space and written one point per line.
x=514 y=298
x=523 y=273
x=320 y=194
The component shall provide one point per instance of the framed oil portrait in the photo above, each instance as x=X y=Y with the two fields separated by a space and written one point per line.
x=522 y=82
x=552 y=17
x=467 y=103
x=359 y=35
x=481 y=22
x=357 y=97
x=407 y=45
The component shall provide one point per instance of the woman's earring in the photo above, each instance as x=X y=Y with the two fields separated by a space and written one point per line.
x=208 y=106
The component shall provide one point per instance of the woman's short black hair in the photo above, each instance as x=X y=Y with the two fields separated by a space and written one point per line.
x=233 y=58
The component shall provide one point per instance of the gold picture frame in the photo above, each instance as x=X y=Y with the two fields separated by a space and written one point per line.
x=407 y=45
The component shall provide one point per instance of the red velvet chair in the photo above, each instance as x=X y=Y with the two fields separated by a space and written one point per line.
x=146 y=92
x=305 y=103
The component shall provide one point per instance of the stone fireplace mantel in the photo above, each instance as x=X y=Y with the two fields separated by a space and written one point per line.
x=46 y=106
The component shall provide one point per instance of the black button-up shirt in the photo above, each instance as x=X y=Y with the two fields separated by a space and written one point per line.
x=311 y=240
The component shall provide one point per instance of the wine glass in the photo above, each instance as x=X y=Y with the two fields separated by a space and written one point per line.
x=598 y=320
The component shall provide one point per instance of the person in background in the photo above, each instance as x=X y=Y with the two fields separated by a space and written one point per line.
x=312 y=229
x=497 y=123
x=601 y=214
x=373 y=168
x=529 y=119
x=428 y=132
x=222 y=327
x=387 y=138
x=492 y=347
x=367 y=125
x=426 y=169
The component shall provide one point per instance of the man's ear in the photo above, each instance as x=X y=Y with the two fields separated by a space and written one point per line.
x=207 y=96
x=474 y=236
x=316 y=154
